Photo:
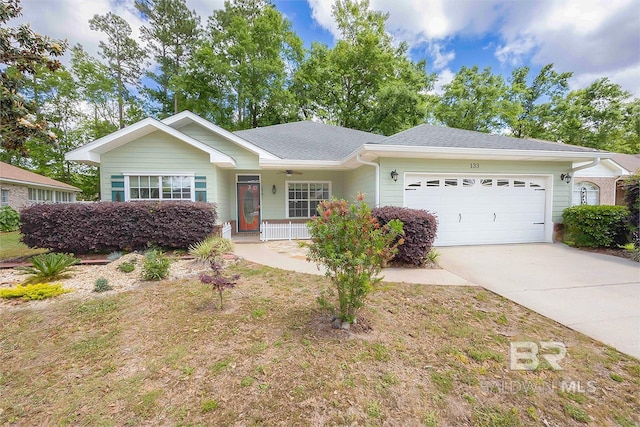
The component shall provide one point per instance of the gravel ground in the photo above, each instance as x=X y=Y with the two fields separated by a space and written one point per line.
x=83 y=279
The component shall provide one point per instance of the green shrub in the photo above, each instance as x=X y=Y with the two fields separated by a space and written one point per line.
x=353 y=247
x=50 y=266
x=211 y=248
x=101 y=285
x=596 y=226
x=9 y=219
x=36 y=291
x=155 y=265
x=127 y=266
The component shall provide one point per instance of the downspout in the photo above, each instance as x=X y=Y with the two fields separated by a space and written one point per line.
x=377 y=166
x=595 y=162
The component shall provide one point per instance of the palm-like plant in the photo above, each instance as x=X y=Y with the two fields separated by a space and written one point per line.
x=50 y=266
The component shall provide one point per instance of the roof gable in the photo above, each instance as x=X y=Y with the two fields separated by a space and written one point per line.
x=187 y=117
x=14 y=174
x=90 y=153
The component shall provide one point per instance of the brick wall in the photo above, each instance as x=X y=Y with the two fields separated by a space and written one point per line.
x=607 y=188
x=18 y=195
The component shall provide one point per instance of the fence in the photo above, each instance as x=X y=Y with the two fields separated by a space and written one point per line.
x=287 y=231
x=226 y=230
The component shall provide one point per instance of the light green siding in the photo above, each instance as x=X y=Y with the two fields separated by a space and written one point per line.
x=391 y=193
x=157 y=153
x=361 y=180
x=244 y=158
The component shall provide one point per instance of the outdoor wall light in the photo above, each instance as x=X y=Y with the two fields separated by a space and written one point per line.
x=566 y=178
x=273 y=189
x=394 y=175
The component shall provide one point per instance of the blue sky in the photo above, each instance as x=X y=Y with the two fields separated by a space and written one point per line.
x=592 y=38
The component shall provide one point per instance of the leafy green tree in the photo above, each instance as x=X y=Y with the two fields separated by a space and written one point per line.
x=474 y=100
x=21 y=53
x=98 y=89
x=532 y=104
x=171 y=37
x=238 y=76
x=124 y=56
x=599 y=116
x=364 y=82
x=349 y=242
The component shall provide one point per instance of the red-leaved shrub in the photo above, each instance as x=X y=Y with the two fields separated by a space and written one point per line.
x=419 y=228
x=110 y=226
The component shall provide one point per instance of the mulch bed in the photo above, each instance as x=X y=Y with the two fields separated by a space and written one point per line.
x=622 y=253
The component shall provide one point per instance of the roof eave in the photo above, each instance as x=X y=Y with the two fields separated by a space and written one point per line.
x=375 y=150
x=301 y=164
x=41 y=185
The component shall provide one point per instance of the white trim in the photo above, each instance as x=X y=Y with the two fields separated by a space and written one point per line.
x=127 y=188
x=33 y=184
x=286 y=197
x=302 y=164
x=143 y=173
x=372 y=151
x=90 y=153
x=178 y=119
x=259 y=175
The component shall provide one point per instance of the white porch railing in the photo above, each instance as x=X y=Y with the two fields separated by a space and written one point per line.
x=226 y=230
x=289 y=231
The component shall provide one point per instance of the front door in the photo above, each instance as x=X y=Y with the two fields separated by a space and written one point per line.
x=248 y=207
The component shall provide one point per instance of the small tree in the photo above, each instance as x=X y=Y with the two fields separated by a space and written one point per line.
x=353 y=247
x=218 y=281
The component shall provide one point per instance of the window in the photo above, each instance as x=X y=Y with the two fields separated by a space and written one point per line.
x=303 y=198
x=63 y=197
x=5 y=198
x=502 y=182
x=159 y=187
x=37 y=195
x=586 y=193
x=486 y=182
x=517 y=183
x=450 y=182
x=433 y=183
x=468 y=182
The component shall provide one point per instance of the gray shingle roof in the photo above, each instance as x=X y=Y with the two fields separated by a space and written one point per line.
x=440 y=136
x=308 y=140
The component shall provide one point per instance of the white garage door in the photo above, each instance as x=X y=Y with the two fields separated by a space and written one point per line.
x=475 y=210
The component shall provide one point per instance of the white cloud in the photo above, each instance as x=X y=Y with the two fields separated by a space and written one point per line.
x=321 y=14
x=440 y=59
x=444 y=77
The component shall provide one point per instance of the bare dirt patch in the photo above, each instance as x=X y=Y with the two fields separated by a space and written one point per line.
x=165 y=354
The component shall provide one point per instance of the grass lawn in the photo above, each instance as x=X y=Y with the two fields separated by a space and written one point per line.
x=11 y=246
x=164 y=354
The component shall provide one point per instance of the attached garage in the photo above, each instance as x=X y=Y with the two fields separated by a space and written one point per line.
x=478 y=209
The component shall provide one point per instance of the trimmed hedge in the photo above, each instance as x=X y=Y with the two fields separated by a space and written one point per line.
x=111 y=226
x=596 y=226
x=420 y=228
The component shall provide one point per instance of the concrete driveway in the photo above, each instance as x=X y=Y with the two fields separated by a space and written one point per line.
x=598 y=295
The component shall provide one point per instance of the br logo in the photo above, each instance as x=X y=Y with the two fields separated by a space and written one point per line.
x=524 y=355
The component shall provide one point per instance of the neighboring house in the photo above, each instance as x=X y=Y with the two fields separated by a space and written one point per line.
x=601 y=184
x=483 y=188
x=22 y=188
